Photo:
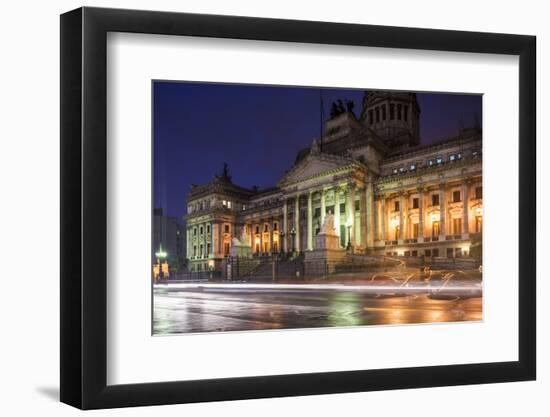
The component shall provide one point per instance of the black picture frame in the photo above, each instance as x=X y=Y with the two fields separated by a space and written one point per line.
x=84 y=207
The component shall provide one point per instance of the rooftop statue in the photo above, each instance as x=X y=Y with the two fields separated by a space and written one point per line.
x=339 y=107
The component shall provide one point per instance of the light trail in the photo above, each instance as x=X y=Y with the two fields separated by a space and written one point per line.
x=388 y=288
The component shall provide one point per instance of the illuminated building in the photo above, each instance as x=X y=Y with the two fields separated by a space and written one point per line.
x=390 y=194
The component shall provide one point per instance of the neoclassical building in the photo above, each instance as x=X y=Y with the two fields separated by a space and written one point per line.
x=390 y=194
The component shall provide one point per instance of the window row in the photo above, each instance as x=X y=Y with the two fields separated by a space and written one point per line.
x=382 y=113
x=456 y=197
x=199 y=251
x=433 y=162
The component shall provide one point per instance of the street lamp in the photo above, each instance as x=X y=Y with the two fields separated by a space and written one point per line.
x=348 y=225
x=293 y=234
x=160 y=256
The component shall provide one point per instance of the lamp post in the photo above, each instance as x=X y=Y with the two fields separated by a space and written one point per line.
x=160 y=256
x=293 y=234
x=348 y=225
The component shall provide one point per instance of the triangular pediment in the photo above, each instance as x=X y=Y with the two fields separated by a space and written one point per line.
x=314 y=166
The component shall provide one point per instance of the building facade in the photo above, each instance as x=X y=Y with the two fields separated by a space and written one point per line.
x=169 y=236
x=389 y=193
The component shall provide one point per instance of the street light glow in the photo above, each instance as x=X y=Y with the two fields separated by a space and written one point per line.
x=161 y=254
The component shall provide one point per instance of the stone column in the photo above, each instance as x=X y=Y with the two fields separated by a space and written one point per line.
x=420 y=214
x=370 y=214
x=220 y=239
x=261 y=237
x=351 y=213
x=336 y=213
x=465 y=216
x=271 y=236
x=285 y=225
x=297 y=223
x=442 y=212
x=383 y=217
x=376 y=221
x=309 y=221
x=401 y=223
x=323 y=207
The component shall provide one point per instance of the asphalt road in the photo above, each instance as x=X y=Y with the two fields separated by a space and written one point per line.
x=204 y=308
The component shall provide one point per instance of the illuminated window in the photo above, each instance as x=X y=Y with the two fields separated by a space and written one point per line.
x=415 y=231
x=229 y=204
x=413 y=167
x=435 y=229
x=439 y=160
x=401 y=170
x=224 y=203
x=395 y=170
x=457 y=226
x=452 y=157
x=430 y=162
x=479 y=224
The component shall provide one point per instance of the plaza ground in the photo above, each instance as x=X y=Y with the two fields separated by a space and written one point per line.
x=398 y=296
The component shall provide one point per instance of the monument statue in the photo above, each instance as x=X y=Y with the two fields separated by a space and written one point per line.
x=244 y=236
x=240 y=247
x=328 y=225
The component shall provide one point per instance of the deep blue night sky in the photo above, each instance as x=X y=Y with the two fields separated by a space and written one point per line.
x=258 y=130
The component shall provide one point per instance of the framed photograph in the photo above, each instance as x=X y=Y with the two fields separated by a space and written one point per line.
x=257 y=208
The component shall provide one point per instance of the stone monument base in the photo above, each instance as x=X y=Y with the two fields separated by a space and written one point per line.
x=321 y=262
x=240 y=251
